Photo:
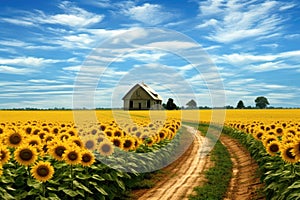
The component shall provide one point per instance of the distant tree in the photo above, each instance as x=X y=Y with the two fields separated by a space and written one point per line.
x=229 y=107
x=261 y=102
x=240 y=105
x=171 y=105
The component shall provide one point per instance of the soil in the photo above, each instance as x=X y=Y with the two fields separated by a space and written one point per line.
x=245 y=183
x=177 y=180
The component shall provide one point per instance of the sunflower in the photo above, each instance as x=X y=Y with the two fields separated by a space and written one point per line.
x=4 y=155
x=117 y=141
x=291 y=131
x=258 y=135
x=297 y=149
x=87 y=158
x=106 y=148
x=63 y=136
x=1 y=170
x=72 y=132
x=268 y=139
x=128 y=143
x=26 y=155
x=273 y=147
x=279 y=131
x=118 y=133
x=42 y=171
x=72 y=156
x=49 y=137
x=77 y=141
x=14 y=139
x=57 y=149
x=162 y=134
x=55 y=130
x=33 y=140
x=28 y=129
x=89 y=142
x=287 y=153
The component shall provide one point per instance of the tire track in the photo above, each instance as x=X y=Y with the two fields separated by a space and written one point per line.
x=245 y=182
x=188 y=172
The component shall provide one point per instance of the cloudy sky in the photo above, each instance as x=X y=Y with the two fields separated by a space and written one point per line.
x=90 y=53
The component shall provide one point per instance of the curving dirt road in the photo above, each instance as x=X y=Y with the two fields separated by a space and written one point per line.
x=187 y=172
x=245 y=182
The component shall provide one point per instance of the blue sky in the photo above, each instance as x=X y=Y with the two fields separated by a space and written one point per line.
x=49 y=49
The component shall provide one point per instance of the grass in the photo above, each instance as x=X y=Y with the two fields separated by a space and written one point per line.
x=218 y=176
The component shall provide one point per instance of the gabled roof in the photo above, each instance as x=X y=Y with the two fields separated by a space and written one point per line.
x=191 y=103
x=154 y=95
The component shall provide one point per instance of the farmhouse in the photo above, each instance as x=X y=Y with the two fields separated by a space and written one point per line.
x=142 y=97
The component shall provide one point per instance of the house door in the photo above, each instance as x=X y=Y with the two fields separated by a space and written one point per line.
x=140 y=106
x=131 y=104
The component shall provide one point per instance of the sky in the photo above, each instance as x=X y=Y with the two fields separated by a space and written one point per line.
x=89 y=53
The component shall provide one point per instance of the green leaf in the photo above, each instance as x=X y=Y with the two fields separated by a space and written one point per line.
x=120 y=184
x=53 y=196
x=295 y=185
x=81 y=186
x=69 y=192
x=51 y=188
x=33 y=183
x=9 y=187
x=83 y=176
x=98 y=178
x=100 y=189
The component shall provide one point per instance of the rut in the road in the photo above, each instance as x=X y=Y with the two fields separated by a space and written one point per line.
x=187 y=173
x=245 y=183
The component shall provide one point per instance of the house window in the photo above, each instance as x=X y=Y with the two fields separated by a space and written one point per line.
x=131 y=104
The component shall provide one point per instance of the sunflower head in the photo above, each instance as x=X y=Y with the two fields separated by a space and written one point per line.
x=105 y=148
x=128 y=143
x=57 y=150
x=72 y=156
x=117 y=141
x=42 y=171
x=273 y=147
x=4 y=155
x=14 y=139
x=26 y=155
x=287 y=153
x=87 y=158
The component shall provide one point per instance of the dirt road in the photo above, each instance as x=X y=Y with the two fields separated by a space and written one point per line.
x=187 y=172
x=184 y=174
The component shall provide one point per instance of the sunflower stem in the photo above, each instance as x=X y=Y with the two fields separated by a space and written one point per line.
x=44 y=190
x=72 y=178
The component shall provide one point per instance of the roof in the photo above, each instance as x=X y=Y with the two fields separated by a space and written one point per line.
x=154 y=95
x=191 y=103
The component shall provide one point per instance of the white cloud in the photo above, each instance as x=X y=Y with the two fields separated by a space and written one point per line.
x=13 y=70
x=268 y=59
x=20 y=22
x=238 y=20
x=43 y=81
x=211 y=7
x=173 y=45
x=151 y=14
x=73 y=16
x=211 y=22
x=29 y=61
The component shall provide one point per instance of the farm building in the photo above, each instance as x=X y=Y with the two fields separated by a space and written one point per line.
x=142 y=97
x=191 y=104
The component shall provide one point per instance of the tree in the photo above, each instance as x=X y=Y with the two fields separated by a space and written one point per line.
x=261 y=102
x=171 y=105
x=240 y=105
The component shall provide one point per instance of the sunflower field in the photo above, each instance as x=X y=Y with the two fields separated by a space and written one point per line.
x=57 y=159
x=274 y=142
